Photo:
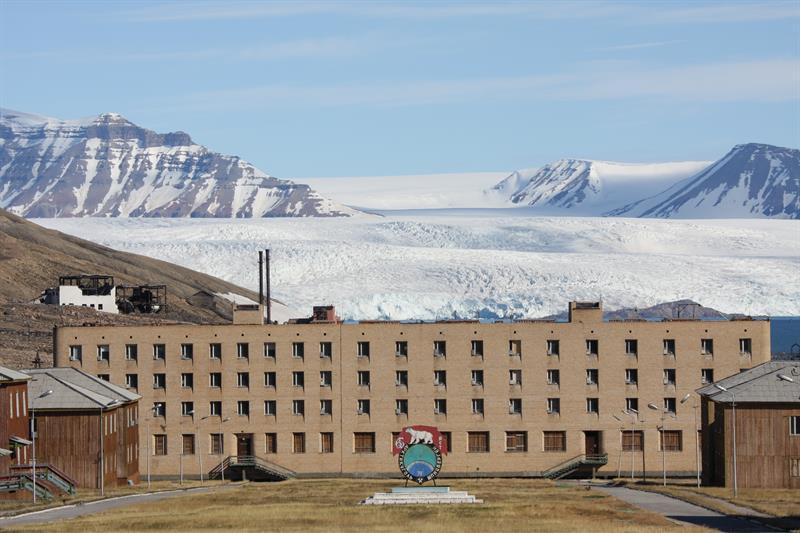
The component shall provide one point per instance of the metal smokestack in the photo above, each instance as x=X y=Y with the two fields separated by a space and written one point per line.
x=260 y=277
x=269 y=295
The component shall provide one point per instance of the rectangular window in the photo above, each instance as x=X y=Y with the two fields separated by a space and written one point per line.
x=707 y=346
x=215 y=408
x=362 y=349
x=364 y=442
x=270 y=443
x=401 y=349
x=104 y=377
x=132 y=381
x=745 y=346
x=515 y=406
x=440 y=377
x=298 y=443
x=670 y=405
x=159 y=381
x=298 y=379
x=553 y=347
x=103 y=352
x=794 y=426
x=326 y=407
x=516 y=441
x=669 y=347
x=326 y=378
x=217 y=444
x=131 y=352
x=187 y=380
x=592 y=376
x=515 y=377
x=555 y=441
x=631 y=376
x=632 y=405
x=298 y=351
x=553 y=377
x=672 y=441
x=401 y=407
x=243 y=408
x=632 y=441
x=270 y=379
x=440 y=406
x=215 y=380
x=401 y=378
x=326 y=350
x=553 y=406
x=363 y=378
x=447 y=438
x=439 y=349
x=243 y=380
x=706 y=376
x=477 y=377
x=243 y=350
x=269 y=350
x=593 y=406
x=187 y=408
x=270 y=407
x=188 y=444
x=75 y=353
x=298 y=407
x=362 y=407
x=159 y=352
x=187 y=351
x=159 y=445
x=477 y=406
x=476 y=348
x=592 y=347
x=669 y=376
x=631 y=347
x=326 y=442
x=215 y=351
x=477 y=442
x=515 y=348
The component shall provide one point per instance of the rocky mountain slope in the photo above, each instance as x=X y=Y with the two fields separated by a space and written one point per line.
x=108 y=166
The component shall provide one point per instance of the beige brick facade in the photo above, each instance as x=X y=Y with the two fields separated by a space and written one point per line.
x=520 y=346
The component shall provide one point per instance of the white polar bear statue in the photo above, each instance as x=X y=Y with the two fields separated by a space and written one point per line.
x=424 y=437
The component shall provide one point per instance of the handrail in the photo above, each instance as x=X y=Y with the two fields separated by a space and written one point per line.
x=47 y=466
x=251 y=460
x=576 y=461
x=566 y=463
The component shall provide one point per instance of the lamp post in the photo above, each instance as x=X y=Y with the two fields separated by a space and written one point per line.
x=102 y=448
x=664 y=414
x=152 y=413
x=33 y=439
x=635 y=414
x=696 y=436
x=619 y=459
x=733 y=404
x=222 y=445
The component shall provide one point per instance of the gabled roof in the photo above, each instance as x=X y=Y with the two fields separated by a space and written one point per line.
x=6 y=374
x=73 y=389
x=759 y=384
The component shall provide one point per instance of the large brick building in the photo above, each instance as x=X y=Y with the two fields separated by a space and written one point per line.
x=324 y=397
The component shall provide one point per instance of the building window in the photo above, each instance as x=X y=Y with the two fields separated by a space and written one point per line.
x=131 y=352
x=671 y=441
x=326 y=378
x=631 y=376
x=401 y=378
x=215 y=408
x=188 y=444
x=298 y=379
x=298 y=351
x=270 y=379
x=103 y=353
x=440 y=406
x=632 y=441
x=592 y=376
x=632 y=405
x=363 y=378
x=362 y=407
x=439 y=349
x=669 y=376
x=243 y=379
x=440 y=377
x=364 y=442
x=553 y=347
x=298 y=443
x=745 y=346
x=270 y=443
x=159 y=381
x=159 y=409
x=515 y=377
x=669 y=347
x=326 y=442
x=187 y=408
x=477 y=406
x=159 y=352
x=631 y=347
x=326 y=407
x=326 y=350
x=187 y=380
x=215 y=351
x=215 y=380
x=243 y=350
x=553 y=406
x=515 y=348
x=243 y=408
x=516 y=441
x=515 y=406
x=477 y=442
x=132 y=381
x=555 y=441
x=447 y=441
x=159 y=444
x=104 y=377
x=269 y=350
x=553 y=377
x=707 y=346
x=270 y=407
x=477 y=377
x=670 y=405
x=298 y=407
x=187 y=351
x=593 y=406
x=75 y=353
x=217 y=444
x=592 y=347
x=362 y=349
x=401 y=349
x=476 y=348
x=401 y=407
x=794 y=426
x=706 y=375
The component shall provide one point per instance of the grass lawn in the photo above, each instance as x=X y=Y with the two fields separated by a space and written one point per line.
x=330 y=505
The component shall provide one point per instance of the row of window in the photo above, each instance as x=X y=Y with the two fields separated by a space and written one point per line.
x=552 y=348
x=17 y=403
x=363 y=379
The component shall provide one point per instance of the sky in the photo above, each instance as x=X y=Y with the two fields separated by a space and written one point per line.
x=317 y=89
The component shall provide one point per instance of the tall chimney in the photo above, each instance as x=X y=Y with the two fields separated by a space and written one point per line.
x=260 y=277
x=269 y=295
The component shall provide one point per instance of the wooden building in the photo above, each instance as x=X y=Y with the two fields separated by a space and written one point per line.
x=760 y=408
x=86 y=427
x=14 y=425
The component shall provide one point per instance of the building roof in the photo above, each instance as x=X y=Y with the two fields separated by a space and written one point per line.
x=759 y=384
x=73 y=389
x=6 y=374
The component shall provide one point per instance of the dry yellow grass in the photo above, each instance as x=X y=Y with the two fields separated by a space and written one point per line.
x=330 y=505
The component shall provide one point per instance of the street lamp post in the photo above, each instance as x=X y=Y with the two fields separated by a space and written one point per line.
x=149 y=438
x=696 y=436
x=619 y=459
x=733 y=405
x=635 y=414
x=664 y=414
x=33 y=439
x=222 y=445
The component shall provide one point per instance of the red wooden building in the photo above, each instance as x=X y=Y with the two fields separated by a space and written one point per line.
x=14 y=424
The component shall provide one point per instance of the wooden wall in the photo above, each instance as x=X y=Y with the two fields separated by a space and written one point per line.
x=18 y=425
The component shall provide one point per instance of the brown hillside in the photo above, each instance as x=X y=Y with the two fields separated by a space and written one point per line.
x=32 y=258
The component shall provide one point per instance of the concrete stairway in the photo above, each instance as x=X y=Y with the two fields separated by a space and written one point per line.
x=420 y=496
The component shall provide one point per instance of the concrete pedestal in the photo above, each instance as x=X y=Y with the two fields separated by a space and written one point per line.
x=420 y=496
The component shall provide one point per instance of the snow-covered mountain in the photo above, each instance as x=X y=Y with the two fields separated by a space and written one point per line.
x=585 y=187
x=752 y=180
x=108 y=166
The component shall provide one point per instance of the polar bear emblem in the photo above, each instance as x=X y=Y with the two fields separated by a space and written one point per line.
x=416 y=437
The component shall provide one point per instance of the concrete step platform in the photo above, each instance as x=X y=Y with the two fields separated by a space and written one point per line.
x=420 y=496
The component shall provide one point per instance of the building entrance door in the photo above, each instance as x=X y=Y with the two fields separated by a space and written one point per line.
x=244 y=444
x=593 y=444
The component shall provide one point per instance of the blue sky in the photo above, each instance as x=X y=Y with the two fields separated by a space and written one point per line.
x=307 y=89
